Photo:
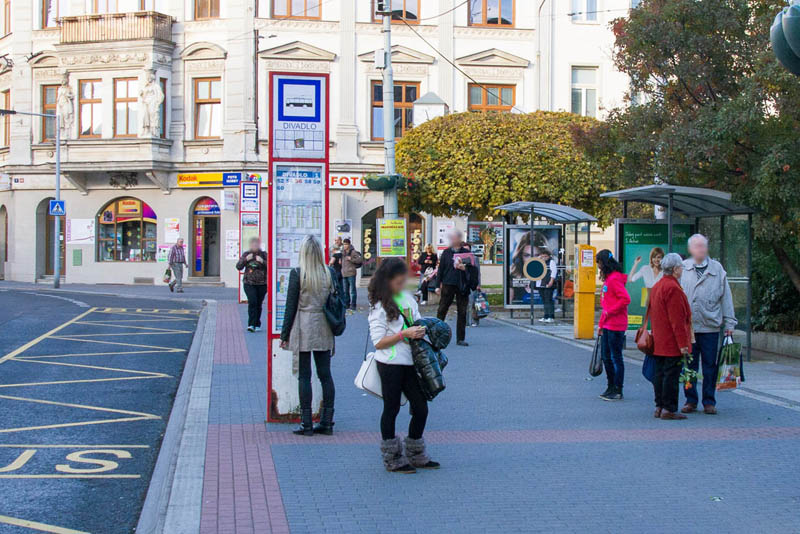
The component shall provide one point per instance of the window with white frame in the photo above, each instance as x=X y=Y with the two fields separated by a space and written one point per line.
x=584 y=10
x=584 y=91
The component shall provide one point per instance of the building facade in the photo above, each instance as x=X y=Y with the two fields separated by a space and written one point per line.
x=159 y=98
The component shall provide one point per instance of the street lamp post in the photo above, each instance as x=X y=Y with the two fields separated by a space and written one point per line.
x=390 y=195
x=58 y=245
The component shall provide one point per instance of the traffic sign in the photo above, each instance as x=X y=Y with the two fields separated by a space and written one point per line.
x=57 y=208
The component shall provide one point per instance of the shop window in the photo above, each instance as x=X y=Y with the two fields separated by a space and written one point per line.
x=102 y=6
x=206 y=9
x=486 y=241
x=49 y=98
x=407 y=10
x=584 y=91
x=584 y=10
x=125 y=106
x=491 y=12
x=405 y=93
x=5 y=96
x=126 y=231
x=90 y=108
x=207 y=108
x=296 y=9
x=491 y=97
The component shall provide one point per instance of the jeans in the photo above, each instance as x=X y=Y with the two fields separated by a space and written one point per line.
x=396 y=380
x=547 y=302
x=349 y=291
x=255 y=302
x=611 y=344
x=448 y=293
x=322 y=360
x=665 y=382
x=705 y=350
x=177 y=273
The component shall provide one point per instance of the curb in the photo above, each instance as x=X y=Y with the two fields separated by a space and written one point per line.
x=174 y=497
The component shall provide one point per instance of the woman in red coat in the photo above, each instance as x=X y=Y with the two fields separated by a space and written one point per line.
x=671 y=321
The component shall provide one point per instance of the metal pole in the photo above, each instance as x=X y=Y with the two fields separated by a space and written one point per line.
x=722 y=257
x=532 y=284
x=624 y=209
x=749 y=309
x=57 y=259
x=669 y=223
x=389 y=196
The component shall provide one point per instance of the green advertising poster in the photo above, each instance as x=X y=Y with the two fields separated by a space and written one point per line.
x=392 y=238
x=642 y=245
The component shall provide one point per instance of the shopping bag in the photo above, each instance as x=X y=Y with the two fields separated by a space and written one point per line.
x=167 y=275
x=481 y=305
x=596 y=363
x=729 y=365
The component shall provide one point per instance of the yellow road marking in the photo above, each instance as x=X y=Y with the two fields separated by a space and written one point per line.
x=121 y=334
x=68 y=446
x=83 y=406
x=165 y=319
x=26 y=358
x=82 y=423
x=69 y=476
x=78 y=381
x=33 y=342
x=81 y=340
x=148 y=328
x=102 y=368
x=41 y=527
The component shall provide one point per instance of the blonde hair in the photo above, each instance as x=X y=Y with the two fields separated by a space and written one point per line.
x=314 y=276
x=429 y=248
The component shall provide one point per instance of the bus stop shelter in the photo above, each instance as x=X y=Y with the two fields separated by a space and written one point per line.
x=726 y=224
x=567 y=218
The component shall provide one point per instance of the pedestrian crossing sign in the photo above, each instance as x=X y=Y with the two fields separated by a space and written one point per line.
x=57 y=208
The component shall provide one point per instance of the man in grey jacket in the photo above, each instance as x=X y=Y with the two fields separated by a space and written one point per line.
x=706 y=285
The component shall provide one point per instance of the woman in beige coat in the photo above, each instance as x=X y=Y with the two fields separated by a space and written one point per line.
x=306 y=331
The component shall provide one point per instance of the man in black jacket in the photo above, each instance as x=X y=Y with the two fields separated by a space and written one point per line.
x=455 y=280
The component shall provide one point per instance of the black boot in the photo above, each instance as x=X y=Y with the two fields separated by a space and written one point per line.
x=326 y=423
x=609 y=390
x=306 y=427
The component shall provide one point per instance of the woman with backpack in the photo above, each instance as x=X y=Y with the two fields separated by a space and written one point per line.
x=306 y=331
x=392 y=312
x=613 y=322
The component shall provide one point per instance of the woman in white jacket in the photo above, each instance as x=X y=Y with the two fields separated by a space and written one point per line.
x=392 y=312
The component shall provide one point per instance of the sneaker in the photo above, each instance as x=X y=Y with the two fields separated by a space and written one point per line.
x=171 y=287
x=251 y=328
x=614 y=394
x=542 y=320
x=549 y=320
x=405 y=469
x=609 y=390
x=462 y=343
x=423 y=303
x=257 y=329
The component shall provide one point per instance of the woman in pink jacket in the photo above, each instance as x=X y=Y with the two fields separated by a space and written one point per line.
x=613 y=322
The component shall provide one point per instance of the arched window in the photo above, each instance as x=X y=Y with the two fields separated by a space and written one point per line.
x=126 y=231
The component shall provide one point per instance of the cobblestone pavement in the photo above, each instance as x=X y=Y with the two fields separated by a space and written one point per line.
x=525 y=443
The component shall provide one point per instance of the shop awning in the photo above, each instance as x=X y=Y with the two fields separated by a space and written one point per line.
x=688 y=201
x=555 y=212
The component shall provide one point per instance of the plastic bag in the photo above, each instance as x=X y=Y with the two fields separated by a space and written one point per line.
x=481 y=305
x=167 y=275
x=729 y=365
x=596 y=363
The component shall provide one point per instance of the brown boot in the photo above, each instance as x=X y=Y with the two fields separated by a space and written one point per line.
x=657 y=413
x=710 y=410
x=672 y=415
x=689 y=408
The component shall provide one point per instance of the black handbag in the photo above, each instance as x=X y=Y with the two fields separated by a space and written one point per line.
x=335 y=312
x=596 y=364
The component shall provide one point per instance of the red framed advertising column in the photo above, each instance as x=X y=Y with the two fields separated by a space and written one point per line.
x=298 y=196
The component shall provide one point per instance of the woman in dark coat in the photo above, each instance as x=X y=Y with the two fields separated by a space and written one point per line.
x=671 y=320
x=254 y=263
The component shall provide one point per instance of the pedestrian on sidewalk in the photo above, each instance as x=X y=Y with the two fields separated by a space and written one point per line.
x=351 y=261
x=427 y=262
x=671 y=320
x=613 y=322
x=455 y=279
x=306 y=331
x=392 y=312
x=336 y=260
x=706 y=285
x=546 y=286
x=177 y=261
x=254 y=263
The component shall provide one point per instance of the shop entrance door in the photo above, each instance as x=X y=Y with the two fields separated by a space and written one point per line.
x=50 y=231
x=206 y=241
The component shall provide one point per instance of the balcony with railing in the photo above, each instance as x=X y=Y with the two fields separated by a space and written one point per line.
x=141 y=25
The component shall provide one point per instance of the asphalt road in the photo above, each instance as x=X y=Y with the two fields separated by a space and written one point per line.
x=86 y=387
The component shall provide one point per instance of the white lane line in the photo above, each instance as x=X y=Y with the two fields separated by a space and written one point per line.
x=79 y=303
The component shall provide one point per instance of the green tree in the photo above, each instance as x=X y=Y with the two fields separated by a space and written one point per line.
x=471 y=162
x=719 y=112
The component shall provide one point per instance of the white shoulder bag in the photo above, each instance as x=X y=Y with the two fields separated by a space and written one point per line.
x=368 y=379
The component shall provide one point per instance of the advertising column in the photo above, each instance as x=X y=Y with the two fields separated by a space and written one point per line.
x=298 y=193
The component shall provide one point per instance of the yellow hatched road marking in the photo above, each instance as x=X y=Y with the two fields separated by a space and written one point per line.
x=83 y=340
x=102 y=368
x=33 y=342
x=121 y=334
x=148 y=328
x=26 y=358
x=82 y=423
x=78 y=381
x=164 y=319
x=41 y=527
x=83 y=406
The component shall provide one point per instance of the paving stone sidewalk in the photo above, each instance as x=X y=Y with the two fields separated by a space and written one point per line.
x=525 y=443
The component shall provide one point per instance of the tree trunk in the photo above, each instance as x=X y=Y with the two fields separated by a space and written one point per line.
x=788 y=266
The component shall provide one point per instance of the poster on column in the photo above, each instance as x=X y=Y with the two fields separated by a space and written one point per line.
x=299 y=116
x=392 y=238
x=298 y=210
x=641 y=246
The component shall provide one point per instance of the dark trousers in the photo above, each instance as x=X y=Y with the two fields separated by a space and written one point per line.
x=449 y=293
x=704 y=350
x=547 y=302
x=611 y=344
x=665 y=382
x=349 y=293
x=255 y=303
x=322 y=360
x=396 y=380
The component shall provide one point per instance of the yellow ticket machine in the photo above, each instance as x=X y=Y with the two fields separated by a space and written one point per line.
x=585 y=286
